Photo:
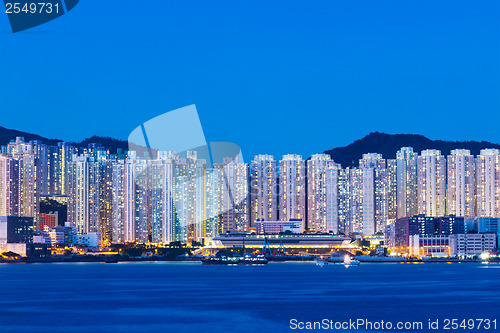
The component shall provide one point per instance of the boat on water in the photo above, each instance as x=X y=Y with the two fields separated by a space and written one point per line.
x=248 y=259
x=322 y=262
x=349 y=261
x=220 y=261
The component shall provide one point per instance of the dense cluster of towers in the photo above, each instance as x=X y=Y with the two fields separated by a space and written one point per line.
x=181 y=197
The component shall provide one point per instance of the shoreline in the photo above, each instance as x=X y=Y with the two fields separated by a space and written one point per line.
x=101 y=259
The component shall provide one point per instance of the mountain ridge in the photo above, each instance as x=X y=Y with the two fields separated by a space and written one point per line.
x=7 y=135
x=347 y=156
x=389 y=144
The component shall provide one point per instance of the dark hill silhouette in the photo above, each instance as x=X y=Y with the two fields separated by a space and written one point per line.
x=389 y=144
x=348 y=156
x=105 y=141
x=7 y=135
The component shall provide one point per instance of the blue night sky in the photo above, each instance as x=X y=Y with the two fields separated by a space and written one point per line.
x=272 y=76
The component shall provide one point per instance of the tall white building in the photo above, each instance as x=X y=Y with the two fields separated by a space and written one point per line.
x=28 y=178
x=129 y=197
x=234 y=178
x=185 y=200
x=407 y=185
x=84 y=187
x=9 y=186
x=198 y=230
x=43 y=165
x=488 y=183
x=322 y=192
x=354 y=219
x=344 y=208
x=292 y=188
x=264 y=189
x=62 y=156
x=212 y=203
x=332 y=199
x=338 y=200
x=431 y=174
x=118 y=201
x=142 y=212
x=392 y=190
x=374 y=193
x=461 y=183
x=29 y=189
x=156 y=173
x=106 y=199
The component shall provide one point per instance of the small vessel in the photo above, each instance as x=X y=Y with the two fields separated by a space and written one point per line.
x=220 y=261
x=250 y=259
x=326 y=261
x=348 y=261
x=321 y=262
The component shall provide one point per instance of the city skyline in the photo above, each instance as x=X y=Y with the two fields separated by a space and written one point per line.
x=172 y=197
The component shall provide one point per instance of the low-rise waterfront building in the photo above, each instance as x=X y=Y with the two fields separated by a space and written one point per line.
x=429 y=245
x=62 y=236
x=92 y=239
x=398 y=233
x=489 y=224
x=470 y=245
x=275 y=227
x=16 y=234
x=288 y=241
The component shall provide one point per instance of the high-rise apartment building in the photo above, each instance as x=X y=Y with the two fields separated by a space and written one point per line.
x=488 y=183
x=235 y=196
x=129 y=197
x=118 y=201
x=292 y=188
x=213 y=209
x=431 y=174
x=392 y=190
x=234 y=179
x=43 y=166
x=264 y=189
x=84 y=194
x=142 y=211
x=28 y=178
x=460 y=196
x=355 y=197
x=338 y=200
x=9 y=186
x=321 y=192
x=62 y=155
x=374 y=193
x=407 y=185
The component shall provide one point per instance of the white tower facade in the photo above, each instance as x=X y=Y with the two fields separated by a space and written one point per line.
x=431 y=176
x=461 y=183
x=292 y=188
x=488 y=183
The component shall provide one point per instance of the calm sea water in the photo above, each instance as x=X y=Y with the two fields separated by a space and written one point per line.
x=190 y=297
